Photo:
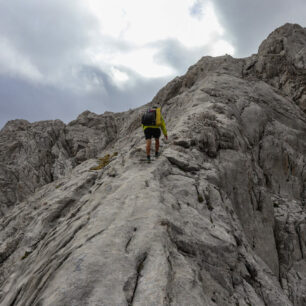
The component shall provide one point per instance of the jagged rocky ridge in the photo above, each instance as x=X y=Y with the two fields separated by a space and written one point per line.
x=218 y=219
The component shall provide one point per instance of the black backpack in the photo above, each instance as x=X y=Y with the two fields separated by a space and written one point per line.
x=149 y=117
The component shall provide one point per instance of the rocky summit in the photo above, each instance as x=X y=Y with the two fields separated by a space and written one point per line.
x=219 y=218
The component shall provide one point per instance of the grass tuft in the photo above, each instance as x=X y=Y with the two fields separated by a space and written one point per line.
x=104 y=161
x=26 y=254
x=200 y=199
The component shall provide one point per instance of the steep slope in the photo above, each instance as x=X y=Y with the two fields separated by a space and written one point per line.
x=218 y=219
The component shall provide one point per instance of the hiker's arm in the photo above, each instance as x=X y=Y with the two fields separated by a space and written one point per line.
x=163 y=127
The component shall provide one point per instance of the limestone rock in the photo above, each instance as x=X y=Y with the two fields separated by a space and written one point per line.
x=281 y=61
x=34 y=154
x=218 y=219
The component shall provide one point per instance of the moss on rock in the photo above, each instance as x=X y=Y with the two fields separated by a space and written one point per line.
x=104 y=161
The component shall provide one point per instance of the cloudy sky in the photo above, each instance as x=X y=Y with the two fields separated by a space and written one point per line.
x=59 y=58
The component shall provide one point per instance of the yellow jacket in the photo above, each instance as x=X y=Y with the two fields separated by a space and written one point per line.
x=162 y=126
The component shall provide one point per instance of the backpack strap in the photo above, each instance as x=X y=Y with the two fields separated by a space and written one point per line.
x=158 y=116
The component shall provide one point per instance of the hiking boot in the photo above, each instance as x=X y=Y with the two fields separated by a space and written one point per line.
x=156 y=154
x=148 y=159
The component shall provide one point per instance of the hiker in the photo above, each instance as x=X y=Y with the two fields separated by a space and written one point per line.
x=152 y=121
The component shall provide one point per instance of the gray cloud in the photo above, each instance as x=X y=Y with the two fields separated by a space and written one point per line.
x=50 y=39
x=48 y=33
x=112 y=98
x=247 y=22
x=197 y=9
x=20 y=99
x=173 y=53
x=53 y=37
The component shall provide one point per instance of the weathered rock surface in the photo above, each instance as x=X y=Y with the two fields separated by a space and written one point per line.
x=281 y=61
x=218 y=219
x=33 y=155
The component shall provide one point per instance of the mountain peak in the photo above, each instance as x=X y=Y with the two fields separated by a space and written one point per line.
x=217 y=219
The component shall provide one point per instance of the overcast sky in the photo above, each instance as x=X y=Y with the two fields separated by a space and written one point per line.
x=59 y=58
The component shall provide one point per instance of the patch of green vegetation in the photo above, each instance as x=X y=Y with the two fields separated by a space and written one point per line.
x=26 y=254
x=200 y=199
x=104 y=161
x=59 y=185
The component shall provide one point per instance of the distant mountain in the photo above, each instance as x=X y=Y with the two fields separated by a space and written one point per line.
x=218 y=219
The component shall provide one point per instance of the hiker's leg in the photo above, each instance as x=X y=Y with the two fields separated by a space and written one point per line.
x=148 y=147
x=156 y=145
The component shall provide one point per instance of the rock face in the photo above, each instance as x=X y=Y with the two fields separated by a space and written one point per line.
x=281 y=62
x=218 y=219
x=33 y=155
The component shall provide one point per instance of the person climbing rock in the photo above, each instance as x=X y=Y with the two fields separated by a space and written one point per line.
x=152 y=121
